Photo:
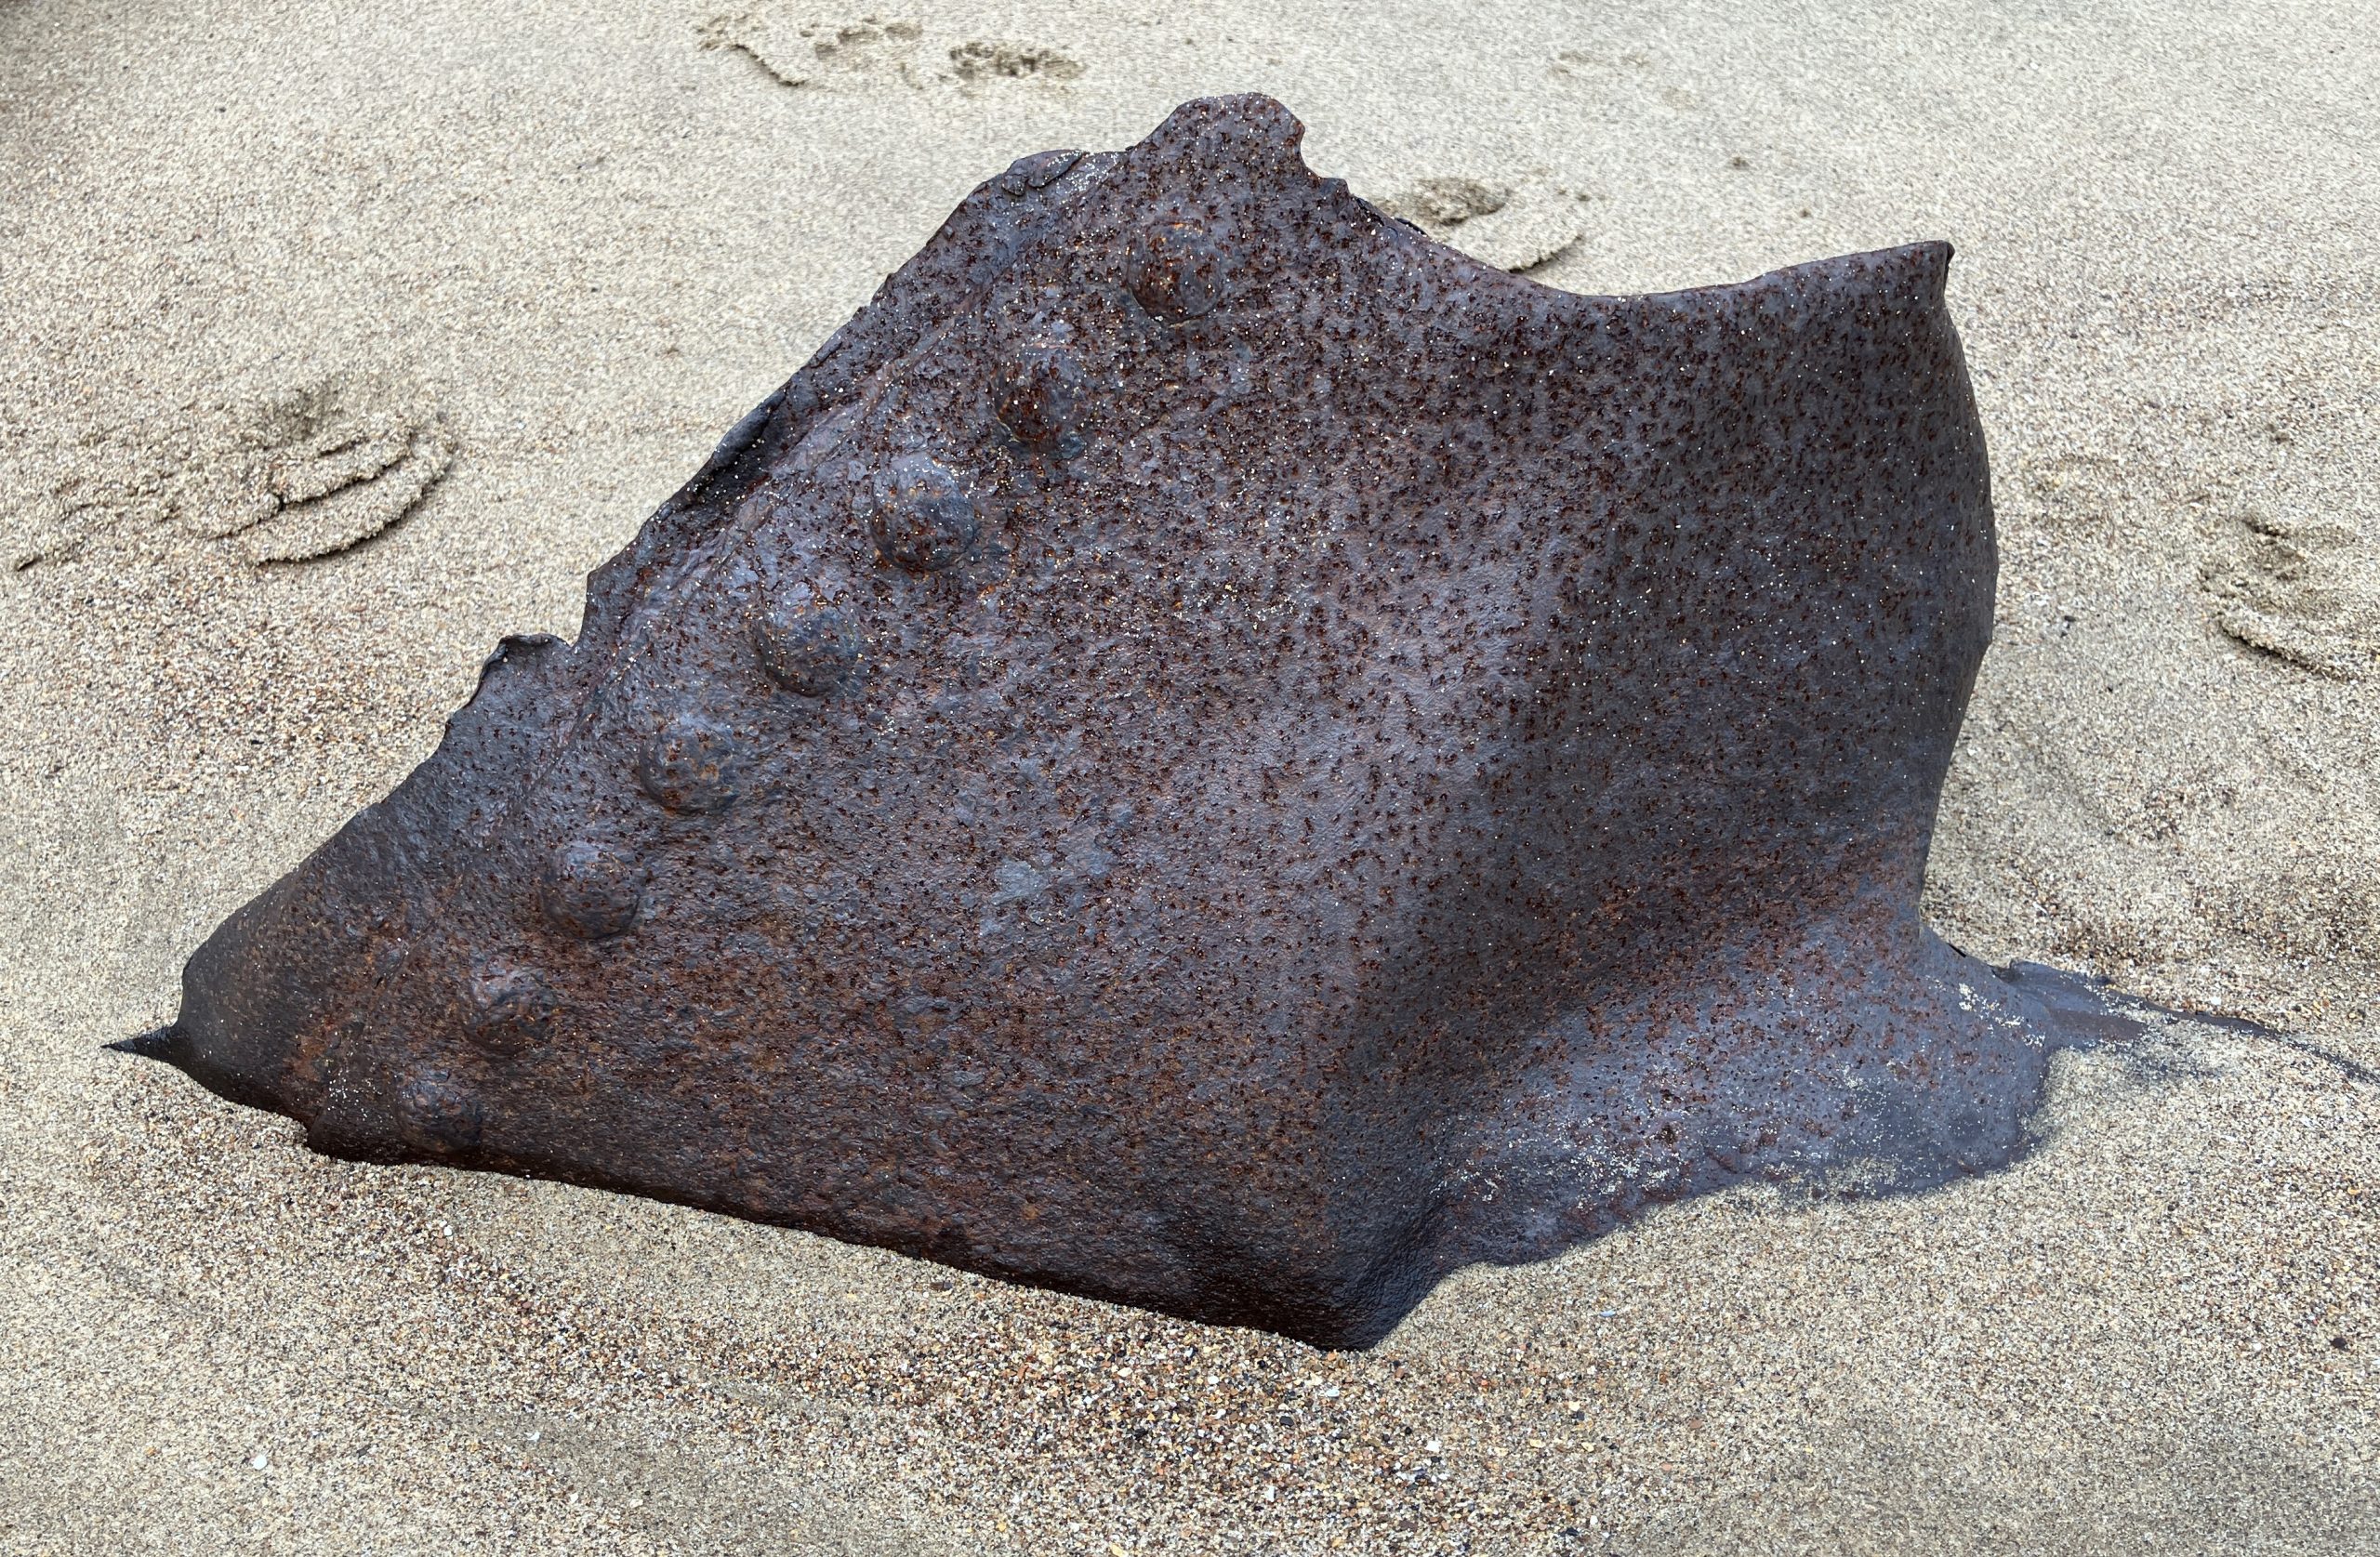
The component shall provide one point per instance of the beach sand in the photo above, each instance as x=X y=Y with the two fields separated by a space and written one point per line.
x=337 y=340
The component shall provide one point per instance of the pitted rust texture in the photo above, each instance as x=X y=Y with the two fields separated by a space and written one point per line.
x=1211 y=752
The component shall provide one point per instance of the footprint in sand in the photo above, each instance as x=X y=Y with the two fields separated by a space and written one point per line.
x=1631 y=73
x=977 y=62
x=314 y=471
x=286 y=476
x=811 y=53
x=2305 y=590
x=1513 y=225
x=2076 y=490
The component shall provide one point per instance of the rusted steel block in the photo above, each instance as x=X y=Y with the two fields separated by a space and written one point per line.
x=1211 y=752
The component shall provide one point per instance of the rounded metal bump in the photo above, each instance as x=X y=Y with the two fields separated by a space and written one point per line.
x=922 y=519
x=1174 y=270
x=1039 y=397
x=691 y=764
x=437 y=1113
x=591 y=890
x=505 y=1005
x=807 y=648
x=1037 y=171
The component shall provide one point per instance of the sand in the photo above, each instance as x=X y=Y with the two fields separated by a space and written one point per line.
x=336 y=340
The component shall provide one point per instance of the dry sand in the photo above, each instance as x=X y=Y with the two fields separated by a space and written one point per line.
x=484 y=282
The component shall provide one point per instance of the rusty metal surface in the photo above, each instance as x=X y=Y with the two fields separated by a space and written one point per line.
x=1210 y=752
